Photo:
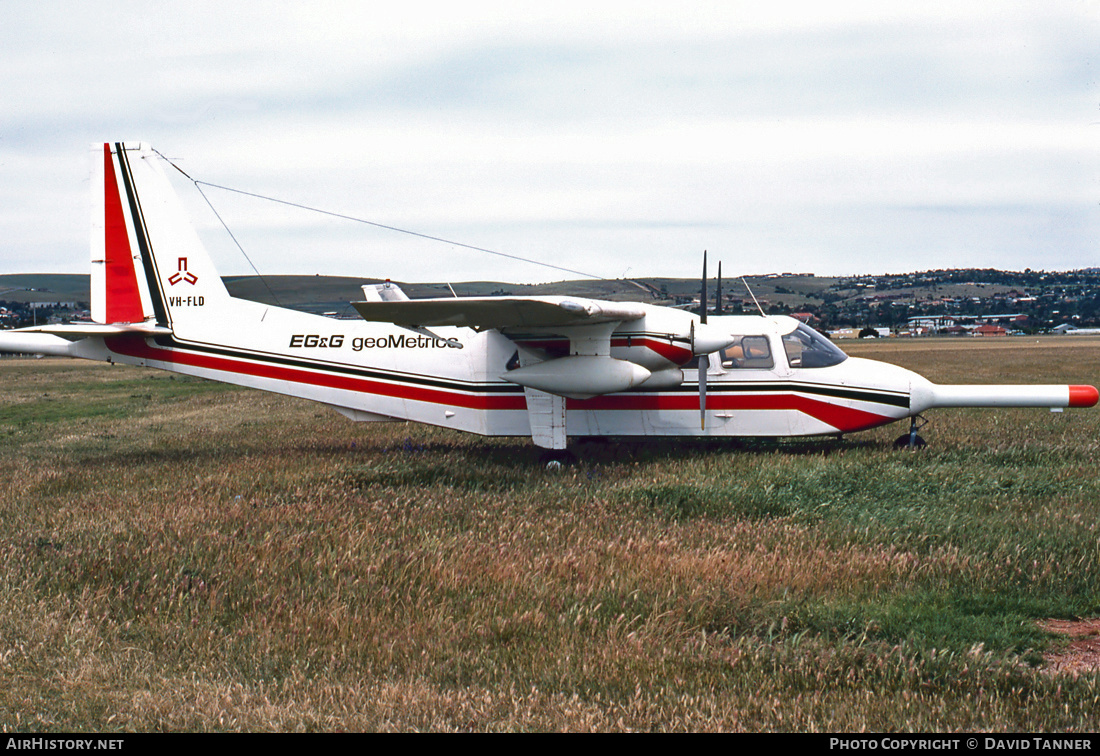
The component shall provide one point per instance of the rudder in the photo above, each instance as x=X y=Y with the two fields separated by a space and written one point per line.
x=148 y=263
x=116 y=294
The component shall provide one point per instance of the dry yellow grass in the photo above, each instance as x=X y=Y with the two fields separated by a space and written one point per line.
x=1006 y=359
x=181 y=556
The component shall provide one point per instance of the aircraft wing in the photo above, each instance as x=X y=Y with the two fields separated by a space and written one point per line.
x=500 y=312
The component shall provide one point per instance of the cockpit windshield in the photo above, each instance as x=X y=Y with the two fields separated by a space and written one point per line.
x=806 y=348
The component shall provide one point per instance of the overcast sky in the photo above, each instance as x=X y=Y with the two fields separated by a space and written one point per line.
x=612 y=138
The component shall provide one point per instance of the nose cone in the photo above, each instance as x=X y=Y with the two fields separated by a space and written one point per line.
x=894 y=379
x=922 y=393
x=1083 y=396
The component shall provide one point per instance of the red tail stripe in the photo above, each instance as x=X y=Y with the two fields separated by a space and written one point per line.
x=123 y=301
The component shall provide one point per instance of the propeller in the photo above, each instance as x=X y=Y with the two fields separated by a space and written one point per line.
x=704 y=359
x=718 y=294
x=703 y=293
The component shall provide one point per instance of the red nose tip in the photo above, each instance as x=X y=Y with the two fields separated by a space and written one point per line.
x=1083 y=396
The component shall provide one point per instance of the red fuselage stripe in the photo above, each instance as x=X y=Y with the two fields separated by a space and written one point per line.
x=674 y=354
x=845 y=419
x=137 y=347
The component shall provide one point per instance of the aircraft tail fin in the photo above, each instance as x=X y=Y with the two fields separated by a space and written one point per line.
x=148 y=264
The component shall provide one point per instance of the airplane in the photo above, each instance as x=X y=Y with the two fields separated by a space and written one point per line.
x=1071 y=330
x=546 y=367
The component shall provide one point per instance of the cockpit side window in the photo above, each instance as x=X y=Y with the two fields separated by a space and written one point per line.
x=751 y=352
x=806 y=348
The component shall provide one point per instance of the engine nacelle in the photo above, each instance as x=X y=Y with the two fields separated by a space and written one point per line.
x=579 y=376
x=664 y=379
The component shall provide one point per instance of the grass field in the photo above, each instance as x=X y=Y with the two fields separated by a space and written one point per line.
x=181 y=555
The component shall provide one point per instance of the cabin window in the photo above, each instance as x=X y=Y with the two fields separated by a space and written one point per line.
x=751 y=352
x=806 y=348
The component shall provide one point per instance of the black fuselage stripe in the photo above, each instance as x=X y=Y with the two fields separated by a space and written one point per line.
x=142 y=235
x=334 y=367
x=783 y=387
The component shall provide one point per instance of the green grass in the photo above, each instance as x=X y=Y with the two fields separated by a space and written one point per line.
x=179 y=555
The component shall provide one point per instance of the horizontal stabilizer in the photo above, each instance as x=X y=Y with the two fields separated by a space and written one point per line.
x=73 y=331
x=21 y=342
x=72 y=339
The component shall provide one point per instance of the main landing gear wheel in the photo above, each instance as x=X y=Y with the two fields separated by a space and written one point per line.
x=555 y=459
x=911 y=440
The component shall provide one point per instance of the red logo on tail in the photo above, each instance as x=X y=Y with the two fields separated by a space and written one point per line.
x=182 y=274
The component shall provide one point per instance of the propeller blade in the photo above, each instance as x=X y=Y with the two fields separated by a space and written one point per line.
x=704 y=363
x=718 y=294
x=703 y=293
x=704 y=359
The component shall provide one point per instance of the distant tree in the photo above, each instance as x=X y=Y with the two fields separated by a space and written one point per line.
x=868 y=332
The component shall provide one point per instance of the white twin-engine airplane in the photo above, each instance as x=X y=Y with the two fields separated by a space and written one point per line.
x=544 y=367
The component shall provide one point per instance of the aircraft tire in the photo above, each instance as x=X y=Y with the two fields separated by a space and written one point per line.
x=902 y=442
x=555 y=459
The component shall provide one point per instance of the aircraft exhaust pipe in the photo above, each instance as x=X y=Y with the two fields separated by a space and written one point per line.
x=931 y=396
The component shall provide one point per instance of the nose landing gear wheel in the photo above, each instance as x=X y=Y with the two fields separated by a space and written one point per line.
x=911 y=440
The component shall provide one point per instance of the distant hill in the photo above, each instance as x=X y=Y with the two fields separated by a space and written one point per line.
x=1047 y=297
x=51 y=287
x=320 y=293
x=333 y=293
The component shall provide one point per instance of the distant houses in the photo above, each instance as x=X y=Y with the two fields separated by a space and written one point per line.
x=972 y=325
